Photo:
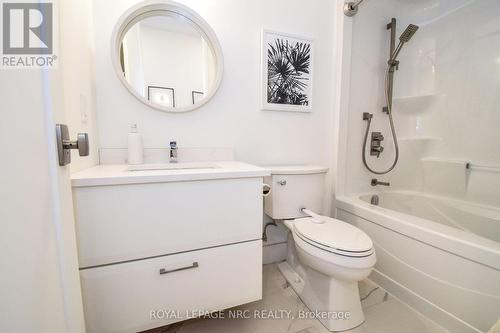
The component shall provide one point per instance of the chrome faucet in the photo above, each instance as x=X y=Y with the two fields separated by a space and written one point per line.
x=173 y=151
x=376 y=182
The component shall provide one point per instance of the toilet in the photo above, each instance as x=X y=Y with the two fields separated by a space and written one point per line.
x=326 y=258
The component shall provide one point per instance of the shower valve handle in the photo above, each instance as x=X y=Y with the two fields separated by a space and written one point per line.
x=376 y=151
x=376 y=144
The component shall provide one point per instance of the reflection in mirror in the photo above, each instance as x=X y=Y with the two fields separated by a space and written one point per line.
x=167 y=60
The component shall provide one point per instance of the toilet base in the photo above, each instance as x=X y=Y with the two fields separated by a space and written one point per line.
x=335 y=303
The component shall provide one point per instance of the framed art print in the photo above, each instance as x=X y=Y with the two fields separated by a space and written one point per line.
x=162 y=96
x=196 y=96
x=287 y=72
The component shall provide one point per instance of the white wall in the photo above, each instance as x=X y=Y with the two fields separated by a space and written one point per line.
x=177 y=63
x=180 y=60
x=78 y=75
x=132 y=59
x=233 y=117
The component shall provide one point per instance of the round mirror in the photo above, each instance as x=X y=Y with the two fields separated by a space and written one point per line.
x=167 y=56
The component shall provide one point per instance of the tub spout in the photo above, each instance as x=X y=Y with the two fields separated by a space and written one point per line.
x=376 y=182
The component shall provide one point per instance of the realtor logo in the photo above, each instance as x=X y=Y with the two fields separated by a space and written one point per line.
x=27 y=35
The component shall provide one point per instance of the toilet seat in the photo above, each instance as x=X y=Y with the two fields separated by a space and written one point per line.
x=334 y=236
x=333 y=263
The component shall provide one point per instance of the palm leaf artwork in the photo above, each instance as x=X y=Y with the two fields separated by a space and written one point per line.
x=288 y=66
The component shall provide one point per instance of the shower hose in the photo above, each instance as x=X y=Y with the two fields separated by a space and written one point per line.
x=393 y=130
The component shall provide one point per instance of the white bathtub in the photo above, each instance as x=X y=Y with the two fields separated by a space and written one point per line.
x=440 y=256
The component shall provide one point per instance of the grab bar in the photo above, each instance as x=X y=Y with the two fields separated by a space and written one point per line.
x=491 y=168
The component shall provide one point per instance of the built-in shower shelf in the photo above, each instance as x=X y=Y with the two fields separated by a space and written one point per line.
x=414 y=104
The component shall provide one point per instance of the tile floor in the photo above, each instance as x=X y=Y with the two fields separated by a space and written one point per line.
x=384 y=314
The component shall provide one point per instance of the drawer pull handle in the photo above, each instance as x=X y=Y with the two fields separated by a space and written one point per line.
x=164 y=271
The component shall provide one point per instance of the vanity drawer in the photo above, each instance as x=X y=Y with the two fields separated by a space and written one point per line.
x=124 y=222
x=120 y=297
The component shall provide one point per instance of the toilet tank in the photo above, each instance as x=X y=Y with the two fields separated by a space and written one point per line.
x=294 y=188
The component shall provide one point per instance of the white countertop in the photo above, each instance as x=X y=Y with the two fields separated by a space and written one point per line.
x=102 y=175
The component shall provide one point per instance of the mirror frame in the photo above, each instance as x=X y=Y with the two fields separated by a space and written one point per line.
x=150 y=8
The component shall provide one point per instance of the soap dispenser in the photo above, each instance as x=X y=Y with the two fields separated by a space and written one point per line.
x=135 y=148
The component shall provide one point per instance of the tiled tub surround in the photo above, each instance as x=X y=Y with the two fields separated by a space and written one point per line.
x=445 y=97
x=445 y=112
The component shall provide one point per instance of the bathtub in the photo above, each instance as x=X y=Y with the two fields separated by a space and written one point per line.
x=440 y=256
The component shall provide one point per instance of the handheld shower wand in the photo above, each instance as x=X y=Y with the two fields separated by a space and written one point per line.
x=404 y=38
x=389 y=83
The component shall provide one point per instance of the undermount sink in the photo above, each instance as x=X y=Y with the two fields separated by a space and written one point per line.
x=172 y=166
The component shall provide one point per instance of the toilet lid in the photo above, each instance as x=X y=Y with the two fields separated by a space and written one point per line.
x=334 y=234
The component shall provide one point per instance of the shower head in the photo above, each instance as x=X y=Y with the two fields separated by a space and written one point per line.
x=404 y=38
x=408 y=33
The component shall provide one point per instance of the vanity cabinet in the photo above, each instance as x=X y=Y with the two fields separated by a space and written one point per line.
x=133 y=221
x=135 y=296
x=156 y=250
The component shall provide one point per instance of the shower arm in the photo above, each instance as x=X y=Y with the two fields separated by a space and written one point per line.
x=355 y=4
x=351 y=7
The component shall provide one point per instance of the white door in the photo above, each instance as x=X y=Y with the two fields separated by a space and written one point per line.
x=39 y=280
